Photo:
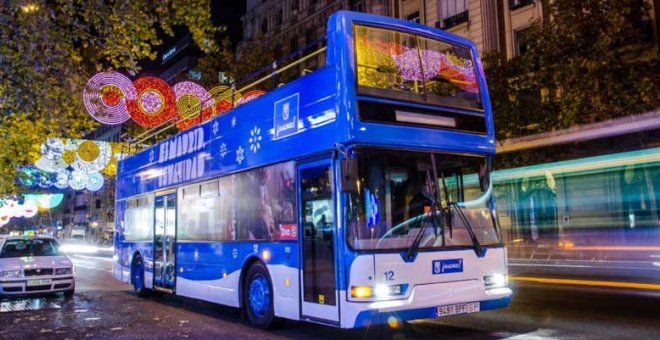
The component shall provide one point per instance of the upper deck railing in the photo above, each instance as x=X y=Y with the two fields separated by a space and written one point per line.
x=277 y=73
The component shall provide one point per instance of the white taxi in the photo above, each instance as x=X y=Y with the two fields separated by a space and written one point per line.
x=34 y=265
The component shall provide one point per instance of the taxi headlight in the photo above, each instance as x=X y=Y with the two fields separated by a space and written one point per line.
x=63 y=271
x=11 y=274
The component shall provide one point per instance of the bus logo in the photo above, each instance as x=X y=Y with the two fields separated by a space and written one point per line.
x=286 y=116
x=447 y=266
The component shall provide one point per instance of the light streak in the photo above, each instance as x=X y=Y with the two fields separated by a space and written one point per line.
x=593 y=283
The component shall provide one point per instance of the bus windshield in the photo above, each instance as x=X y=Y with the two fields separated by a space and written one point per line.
x=395 y=202
x=410 y=67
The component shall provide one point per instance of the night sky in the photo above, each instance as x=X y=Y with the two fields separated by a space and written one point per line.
x=223 y=13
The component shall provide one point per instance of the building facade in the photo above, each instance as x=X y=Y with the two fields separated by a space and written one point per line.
x=494 y=25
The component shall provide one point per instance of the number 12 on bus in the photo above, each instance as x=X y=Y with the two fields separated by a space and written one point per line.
x=354 y=195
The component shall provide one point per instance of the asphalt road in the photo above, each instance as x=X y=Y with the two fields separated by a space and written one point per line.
x=104 y=308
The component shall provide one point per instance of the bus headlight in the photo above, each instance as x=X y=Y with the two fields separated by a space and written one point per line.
x=361 y=292
x=379 y=291
x=495 y=280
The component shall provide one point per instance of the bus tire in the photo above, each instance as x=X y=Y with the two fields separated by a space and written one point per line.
x=258 y=297
x=138 y=278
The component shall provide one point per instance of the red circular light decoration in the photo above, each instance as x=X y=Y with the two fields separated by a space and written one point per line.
x=154 y=104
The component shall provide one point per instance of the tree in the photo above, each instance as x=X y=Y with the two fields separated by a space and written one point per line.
x=50 y=49
x=586 y=61
x=257 y=55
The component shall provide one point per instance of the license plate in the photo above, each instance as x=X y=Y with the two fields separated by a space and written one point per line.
x=459 y=308
x=42 y=282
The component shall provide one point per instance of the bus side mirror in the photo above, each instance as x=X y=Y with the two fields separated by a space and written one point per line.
x=348 y=175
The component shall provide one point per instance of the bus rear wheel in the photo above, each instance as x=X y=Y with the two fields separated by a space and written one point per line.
x=258 y=297
x=138 y=278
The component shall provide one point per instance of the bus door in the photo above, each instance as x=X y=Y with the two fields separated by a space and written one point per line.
x=165 y=242
x=318 y=225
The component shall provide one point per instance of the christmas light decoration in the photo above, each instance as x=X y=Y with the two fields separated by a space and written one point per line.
x=223 y=99
x=154 y=104
x=45 y=201
x=51 y=155
x=193 y=103
x=91 y=156
x=249 y=96
x=410 y=67
x=105 y=97
x=459 y=72
x=94 y=182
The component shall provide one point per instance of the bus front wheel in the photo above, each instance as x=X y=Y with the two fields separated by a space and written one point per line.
x=138 y=278
x=258 y=296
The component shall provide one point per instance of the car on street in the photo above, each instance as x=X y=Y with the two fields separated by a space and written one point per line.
x=34 y=265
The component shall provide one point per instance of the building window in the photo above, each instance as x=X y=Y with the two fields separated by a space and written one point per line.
x=515 y=4
x=522 y=41
x=294 y=6
x=413 y=17
x=264 y=26
x=293 y=44
x=453 y=12
x=310 y=35
x=279 y=17
x=357 y=6
x=98 y=204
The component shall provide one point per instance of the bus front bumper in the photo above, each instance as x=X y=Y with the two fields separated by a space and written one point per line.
x=430 y=301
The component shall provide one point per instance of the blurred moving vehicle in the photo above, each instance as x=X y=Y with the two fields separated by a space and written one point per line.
x=34 y=265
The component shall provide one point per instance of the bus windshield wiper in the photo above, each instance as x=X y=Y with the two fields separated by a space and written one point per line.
x=478 y=249
x=412 y=250
x=435 y=203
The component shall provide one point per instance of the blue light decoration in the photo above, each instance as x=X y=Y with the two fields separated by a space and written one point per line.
x=31 y=205
x=71 y=163
x=45 y=201
x=373 y=214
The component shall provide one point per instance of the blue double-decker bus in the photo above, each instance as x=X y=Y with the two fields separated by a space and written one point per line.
x=354 y=195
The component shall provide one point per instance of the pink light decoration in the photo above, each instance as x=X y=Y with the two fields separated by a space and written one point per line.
x=409 y=65
x=105 y=97
x=194 y=104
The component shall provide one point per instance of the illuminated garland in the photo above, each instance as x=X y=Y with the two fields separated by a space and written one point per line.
x=91 y=156
x=249 y=96
x=111 y=98
x=154 y=104
x=29 y=208
x=194 y=104
x=409 y=65
x=223 y=99
x=105 y=97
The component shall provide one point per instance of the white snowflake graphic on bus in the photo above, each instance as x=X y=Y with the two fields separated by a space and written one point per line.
x=255 y=139
x=240 y=155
